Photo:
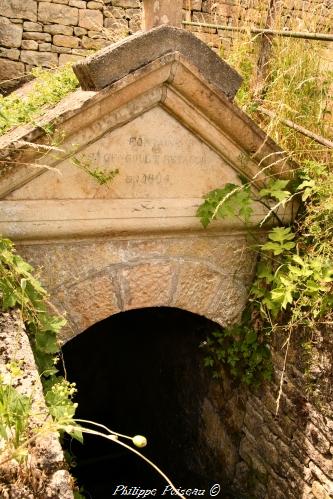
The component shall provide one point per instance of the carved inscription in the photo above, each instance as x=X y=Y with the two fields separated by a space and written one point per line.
x=157 y=158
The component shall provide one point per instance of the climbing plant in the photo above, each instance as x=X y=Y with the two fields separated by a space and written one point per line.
x=293 y=285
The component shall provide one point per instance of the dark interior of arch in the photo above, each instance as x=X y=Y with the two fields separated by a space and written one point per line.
x=141 y=372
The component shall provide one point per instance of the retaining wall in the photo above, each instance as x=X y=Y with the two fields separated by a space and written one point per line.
x=50 y=33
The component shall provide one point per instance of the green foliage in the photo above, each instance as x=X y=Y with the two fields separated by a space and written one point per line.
x=20 y=289
x=101 y=176
x=15 y=411
x=276 y=189
x=231 y=201
x=292 y=289
x=48 y=89
x=242 y=351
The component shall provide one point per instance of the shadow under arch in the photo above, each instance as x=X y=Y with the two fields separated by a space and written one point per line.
x=141 y=372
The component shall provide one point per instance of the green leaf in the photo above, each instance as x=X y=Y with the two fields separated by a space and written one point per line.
x=275 y=189
x=281 y=234
x=46 y=342
x=233 y=200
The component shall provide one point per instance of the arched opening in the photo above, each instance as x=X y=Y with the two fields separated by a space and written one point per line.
x=141 y=372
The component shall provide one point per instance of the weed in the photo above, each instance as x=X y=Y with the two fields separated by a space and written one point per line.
x=48 y=89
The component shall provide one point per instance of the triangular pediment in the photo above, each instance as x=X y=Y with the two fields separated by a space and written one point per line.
x=156 y=157
x=172 y=135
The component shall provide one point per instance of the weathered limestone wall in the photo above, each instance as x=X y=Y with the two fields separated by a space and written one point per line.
x=289 y=455
x=48 y=33
x=44 y=476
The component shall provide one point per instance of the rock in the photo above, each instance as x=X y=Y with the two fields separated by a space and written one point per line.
x=30 y=26
x=90 y=19
x=44 y=47
x=43 y=37
x=95 y=5
x=58 y=486
x=80 y=31
x=66 y=41
x=192 y=4
x=13 y=54
x=44 y=59
x=29 y=45
x=82 y=52
x=319 y=492
x=10 y=34
x=56 y=13
x=93 y=44
x=60 y=50
x=68 y=58
x=127 y=4
x=80 y=4
x=116 y=25
x=114 y=12
x=58 y=29
x=18 y=9
x=10 y=69
x=116 y=61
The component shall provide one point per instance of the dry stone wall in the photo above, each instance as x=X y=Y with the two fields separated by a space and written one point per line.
x=44 y=475
x=288 y=454
x=49 y=33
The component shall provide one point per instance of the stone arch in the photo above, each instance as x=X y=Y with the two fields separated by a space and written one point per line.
x=145 y=373
x=189 y=285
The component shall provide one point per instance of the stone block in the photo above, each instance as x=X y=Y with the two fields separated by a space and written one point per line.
x=93 y=44
x=66 y=41
x=44 y=59
x=10 y=69
x=114 y=12
x=90 y=19
x=43 y=37
x=192 y=4
x=90 y=301
x=29 y=45
x=126 y=4
x=69 y=58
x=60 y=50
x=57 y=13
x=10 y=34
x=81 y=52
x=13 y=54
x=147 y=285
x=95 y=6
x=196 y=288
x=58 y=29
x=30 y=26
x=134 y=52
x=80 y=4
x=44 y=47
x=80 y=31
x=18 y=9
x=116 y=25
x=134 y=25
x=319 y=492
x=318 y=440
